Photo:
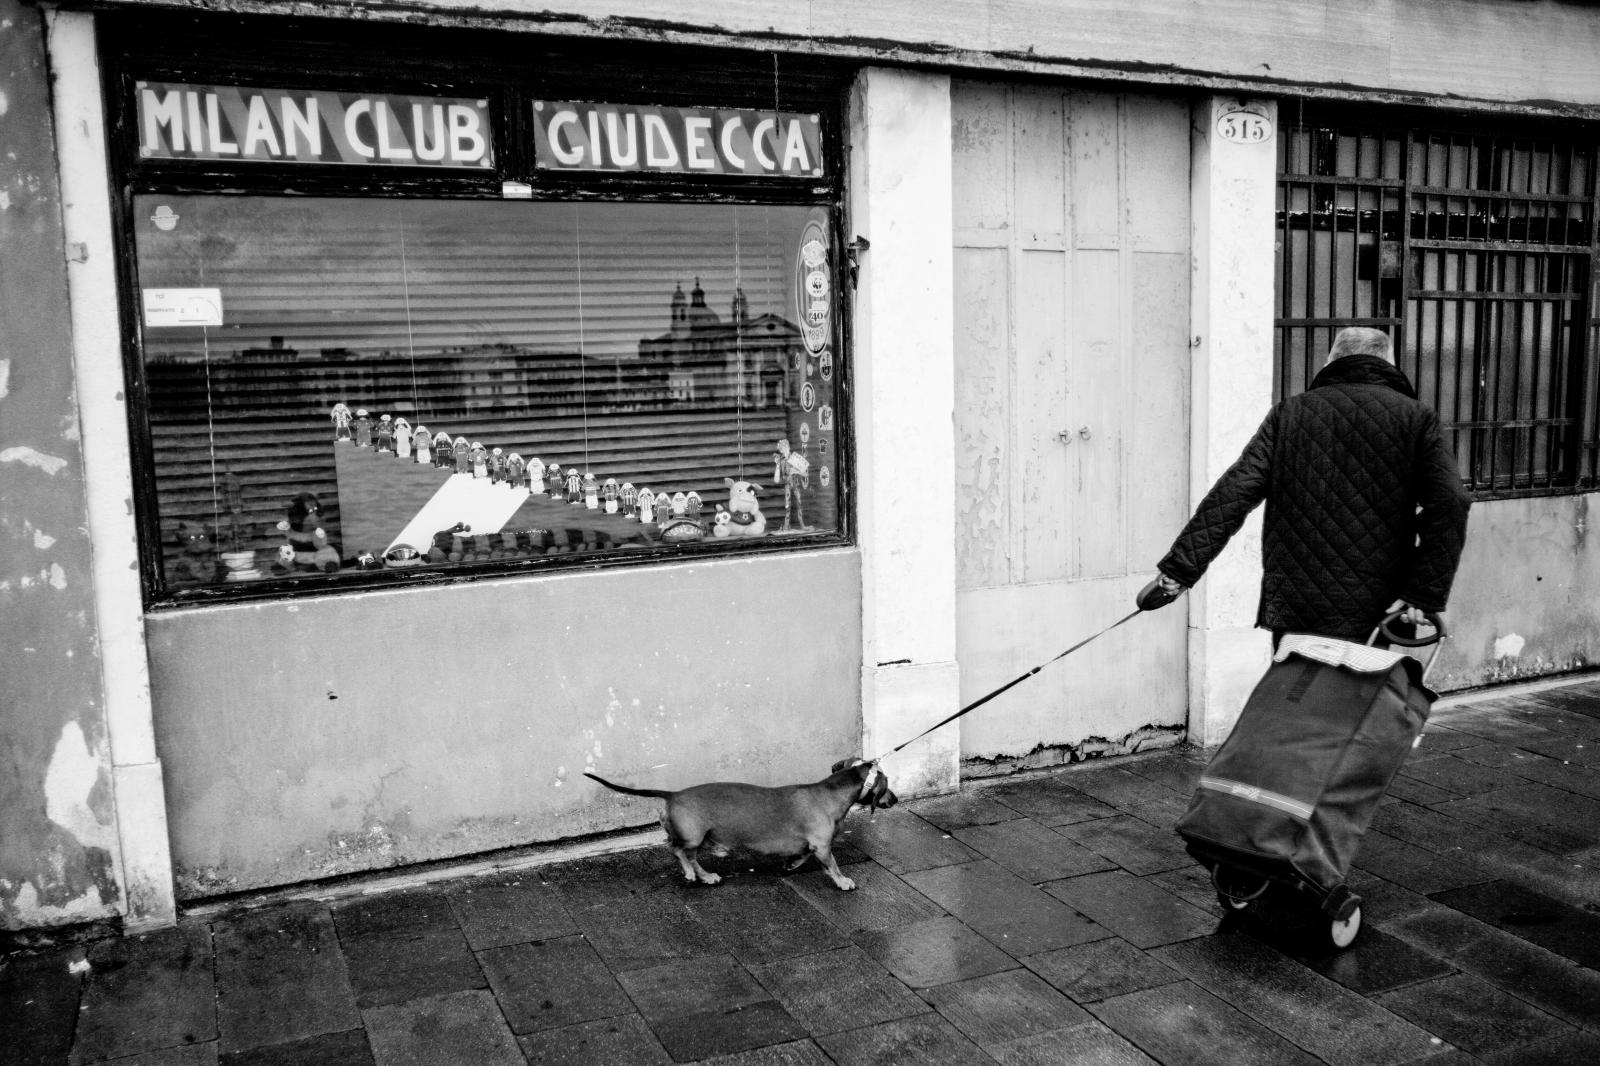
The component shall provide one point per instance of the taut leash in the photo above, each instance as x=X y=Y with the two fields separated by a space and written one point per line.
x=975 y=704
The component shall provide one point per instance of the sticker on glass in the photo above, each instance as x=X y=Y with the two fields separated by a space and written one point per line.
x=825 y=477
x=183 y=307
x=825 y=365
x=825 y=418
x=813 y=289
x=808 y=396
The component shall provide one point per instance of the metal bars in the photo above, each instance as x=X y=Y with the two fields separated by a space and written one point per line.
x=1476 y=251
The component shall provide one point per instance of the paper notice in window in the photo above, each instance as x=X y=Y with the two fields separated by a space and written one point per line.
x=182 y=307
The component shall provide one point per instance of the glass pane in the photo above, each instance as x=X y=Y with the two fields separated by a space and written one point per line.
x=338 y=383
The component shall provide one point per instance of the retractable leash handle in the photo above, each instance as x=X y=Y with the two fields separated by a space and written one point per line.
x=1153 y=597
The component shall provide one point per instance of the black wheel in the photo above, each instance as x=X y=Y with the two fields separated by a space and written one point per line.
x=1236 y=891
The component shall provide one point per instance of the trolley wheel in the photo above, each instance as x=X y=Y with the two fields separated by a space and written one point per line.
x=1234 y=889
x=1343 y=933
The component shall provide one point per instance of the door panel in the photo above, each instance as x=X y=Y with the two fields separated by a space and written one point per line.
x=1072 y=307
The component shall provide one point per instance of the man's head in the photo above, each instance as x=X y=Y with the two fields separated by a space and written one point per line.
x=1362 y=340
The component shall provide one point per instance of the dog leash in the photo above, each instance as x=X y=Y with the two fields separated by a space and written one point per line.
x=975 y=704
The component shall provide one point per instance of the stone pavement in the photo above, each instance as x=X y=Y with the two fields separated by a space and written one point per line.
x=1051 y=918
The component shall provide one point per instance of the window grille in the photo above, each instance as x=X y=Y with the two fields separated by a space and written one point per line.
x=1475 y=250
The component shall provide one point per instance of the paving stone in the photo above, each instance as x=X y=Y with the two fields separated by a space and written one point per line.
x=1378 y=962
x=1418 y=792
x=604 y=1042
x=880 y=900
x=1457 y=776
x=1050 y=801
x=1581 y=780
x=1499 y=756
x=510 y=910
x=1573 y=880
x=619 y=876
x=1091 y=1044
x=1033 y=852
x=1383 y=901
x=1004 y=1006
x=1564 y=841
x=1524 y=804
x=960 y=809
x=933 y=952
x=463 y=1027
x=147 y=992
x=1131 y=843
x=1533 y=917
x=1139 y=912
x=692 y=986
x=405 y=945
x=1525 y=970
x=1105 y=968
x=763 y=921
x=901 y=842
x=348 y=1048
x=1178 y=769
x=691 y=1038
x=1172 y=1021
x=1003 y=908
x=1132 y=794
x=926 y=1040
x=182 y=1055
x=645 y=930
x=552 y=983
x=1472 y=1015
x=39 y=1002
x=1192 y=884
x=1324 y=1018
x=280 y=977
x=1437 y=737
x=1425 y=827
x=1573 y=1049
x=837 y=990
x=1413 y=867
x=797 y=1053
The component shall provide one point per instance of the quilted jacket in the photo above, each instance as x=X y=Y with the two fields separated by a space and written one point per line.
x=1364 y=505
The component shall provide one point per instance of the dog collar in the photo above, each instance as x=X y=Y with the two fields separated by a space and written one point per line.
x=872 y=775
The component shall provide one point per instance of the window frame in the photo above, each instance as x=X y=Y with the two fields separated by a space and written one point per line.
x=510 y=70
x=1398 y=313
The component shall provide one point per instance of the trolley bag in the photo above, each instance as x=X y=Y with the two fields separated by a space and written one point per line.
x=1289 y=794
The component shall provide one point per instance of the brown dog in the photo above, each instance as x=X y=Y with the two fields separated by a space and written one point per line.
x=793 y=820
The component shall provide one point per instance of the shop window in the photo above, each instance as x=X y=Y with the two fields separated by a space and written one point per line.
x=1474 y=249
x=379 y=384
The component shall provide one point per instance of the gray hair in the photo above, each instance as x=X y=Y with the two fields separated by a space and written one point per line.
x=1362 y=340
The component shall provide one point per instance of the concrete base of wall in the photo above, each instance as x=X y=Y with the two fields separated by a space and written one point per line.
x=1228 y=663
x=908 y=699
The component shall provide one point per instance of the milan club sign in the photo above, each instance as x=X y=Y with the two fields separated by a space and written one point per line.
x=300 y=126
x=676 y=140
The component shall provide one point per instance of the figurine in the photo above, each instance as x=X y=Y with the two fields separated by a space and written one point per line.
x=574 y=485
x=363 y=426
x=463 y=454
x=628 y=501
x=422 y=445
x=591 y=491
x=609 y=491
x=385 y=434
x=553 y=481
x=480 y=460
x=680 y=504
x=678 y=524
x=663 y=508
x=793 y=472
x=720 y=521
x=695 y=506
x=341 y=421
x=535 y=475
x=402 y=438
x=646 y=502
x=443 y=451
x=307 y=543
x=744 y=513
x=513 y=477
x=495 y=463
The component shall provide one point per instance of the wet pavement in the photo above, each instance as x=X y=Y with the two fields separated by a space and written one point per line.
x=1049 y=918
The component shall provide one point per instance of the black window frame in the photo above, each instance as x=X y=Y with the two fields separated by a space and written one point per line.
x=1331 y=169
x=510 y=69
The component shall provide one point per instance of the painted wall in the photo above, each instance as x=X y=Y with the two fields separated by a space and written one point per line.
x=313 y=737
x=58 y=844
x=1526 y=601
x=1534 y=51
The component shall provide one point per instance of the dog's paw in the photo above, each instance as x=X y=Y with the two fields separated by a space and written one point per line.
x=710 y=878
x=845 y=884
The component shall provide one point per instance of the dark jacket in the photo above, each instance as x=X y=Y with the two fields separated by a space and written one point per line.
x=1364 y=505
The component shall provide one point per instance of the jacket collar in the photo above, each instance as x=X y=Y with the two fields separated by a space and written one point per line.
x=1364 y=370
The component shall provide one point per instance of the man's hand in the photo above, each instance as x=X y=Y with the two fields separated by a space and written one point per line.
x=1160 y=592
x=1409 y=613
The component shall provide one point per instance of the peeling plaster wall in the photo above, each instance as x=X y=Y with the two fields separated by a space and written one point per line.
x=308 y=738
x=1526 y=601
x=58 y=849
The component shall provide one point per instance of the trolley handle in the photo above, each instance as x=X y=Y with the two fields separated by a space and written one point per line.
x=1436 y=622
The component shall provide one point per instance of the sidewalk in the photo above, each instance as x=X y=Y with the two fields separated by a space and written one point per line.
x=1052 y=918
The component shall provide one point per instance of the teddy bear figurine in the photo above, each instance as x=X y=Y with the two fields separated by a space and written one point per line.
x=306 y=544
x=746 y=519
x=196 y=558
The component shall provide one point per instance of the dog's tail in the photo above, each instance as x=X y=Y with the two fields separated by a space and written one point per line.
x=654 y=793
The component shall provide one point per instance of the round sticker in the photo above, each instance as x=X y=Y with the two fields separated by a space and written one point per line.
x=808 y=396
x=813 y=287
x=825 y=364
x=805 y=433
x=825 y=477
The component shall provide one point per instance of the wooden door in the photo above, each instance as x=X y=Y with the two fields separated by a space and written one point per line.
x=1072 y=433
